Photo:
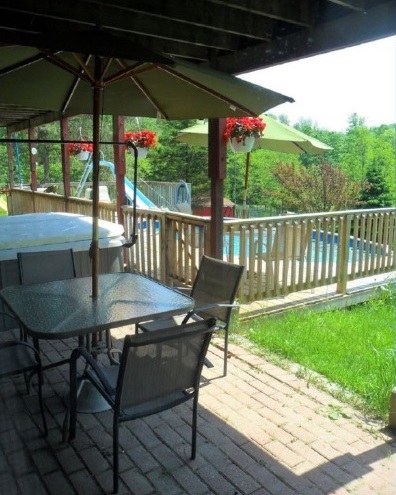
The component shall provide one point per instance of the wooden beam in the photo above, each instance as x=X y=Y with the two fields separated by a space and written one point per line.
x=119 y=165
x=351 y=4
x=344 y=32
x=217 y=172
x=64 y=132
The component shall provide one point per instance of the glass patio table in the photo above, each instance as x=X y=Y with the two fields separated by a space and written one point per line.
x=65 y=308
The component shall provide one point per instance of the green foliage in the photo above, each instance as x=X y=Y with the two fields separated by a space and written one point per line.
x=377 y=193
x=172 y=161
x=355 y=153
x=317 y=188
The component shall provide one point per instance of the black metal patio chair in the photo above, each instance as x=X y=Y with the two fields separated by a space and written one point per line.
x=21 y=358
x=47 y=266
x=214 y=291
x=157 y=371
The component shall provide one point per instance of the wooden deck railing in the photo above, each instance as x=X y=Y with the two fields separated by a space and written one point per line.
x=23 y=201
x=282 y=254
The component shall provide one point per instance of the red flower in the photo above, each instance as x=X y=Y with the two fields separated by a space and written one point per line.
x=243 y=127
x=141 y=139
x=76 y=148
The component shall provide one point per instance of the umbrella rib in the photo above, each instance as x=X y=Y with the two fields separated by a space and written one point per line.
x=76 y=81
x=69 y=68
x=127 y=74
x=21 y=65
x=298 y=146
x=126 y=71
x=149 y=97
x=84 y=67
x=233 y=104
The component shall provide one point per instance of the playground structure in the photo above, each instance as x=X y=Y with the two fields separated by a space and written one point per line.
x=142 y=201
x=178 y=200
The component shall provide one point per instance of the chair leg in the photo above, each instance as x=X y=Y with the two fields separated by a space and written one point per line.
x=72 y=400
x=225 y=351
x=115 y=454
x=41 y=376
x=40 y=395
x=194 y=427
x=109 y=347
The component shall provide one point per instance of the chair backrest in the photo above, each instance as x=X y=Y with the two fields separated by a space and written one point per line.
x=216 y=282
x=46 y=266
x=157 y=368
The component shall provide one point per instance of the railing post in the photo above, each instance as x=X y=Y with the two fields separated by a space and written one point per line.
x=343 y=251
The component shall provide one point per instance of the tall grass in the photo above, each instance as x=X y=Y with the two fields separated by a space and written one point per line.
x=353 y=348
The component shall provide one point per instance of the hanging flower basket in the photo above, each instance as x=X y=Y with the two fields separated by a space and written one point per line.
x=142 y=140
x=83 y=155
x=241 y=132
x=142 y=152
x=80 y=150
x=240 y=146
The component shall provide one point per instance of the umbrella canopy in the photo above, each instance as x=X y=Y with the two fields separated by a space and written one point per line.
x=149 y=85
x=172 y=89
x=276 y=137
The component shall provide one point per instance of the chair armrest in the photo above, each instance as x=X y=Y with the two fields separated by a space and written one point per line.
x=208 y=306
x=14 y=343
x=82 y=352
x=183 y=290
x=8 y=315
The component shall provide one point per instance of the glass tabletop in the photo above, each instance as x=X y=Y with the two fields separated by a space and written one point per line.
x=65 y=308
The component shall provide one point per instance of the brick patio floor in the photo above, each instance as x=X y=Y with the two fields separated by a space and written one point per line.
x=262 y=431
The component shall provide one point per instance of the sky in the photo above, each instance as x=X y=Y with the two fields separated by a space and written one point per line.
x=328 y=88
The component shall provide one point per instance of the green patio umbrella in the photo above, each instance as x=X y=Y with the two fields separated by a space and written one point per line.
x=35 y=81
x=276 y=137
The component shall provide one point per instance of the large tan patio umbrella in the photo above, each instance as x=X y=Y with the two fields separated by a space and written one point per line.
x=147 y=84
x=276 y=137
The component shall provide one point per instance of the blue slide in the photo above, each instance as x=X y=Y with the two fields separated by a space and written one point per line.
x=142 y=201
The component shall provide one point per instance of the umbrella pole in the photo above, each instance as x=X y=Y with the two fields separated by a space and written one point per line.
x=247 y=166
x=97 y=112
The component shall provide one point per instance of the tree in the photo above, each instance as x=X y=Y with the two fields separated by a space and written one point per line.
x=377 y=193
x=174 y=161
x=317 y=188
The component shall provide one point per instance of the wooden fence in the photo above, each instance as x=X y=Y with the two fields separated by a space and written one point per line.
x=281 y=254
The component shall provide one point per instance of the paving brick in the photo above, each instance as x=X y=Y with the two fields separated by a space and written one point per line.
x=189 y=481
x=261 y=431
x=94 y=460
x=164 y=483
x=217 y=483
x=31 y=483
x=143 y=459
x=135 y=482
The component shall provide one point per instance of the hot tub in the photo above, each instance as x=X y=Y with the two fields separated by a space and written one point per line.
x=54 y=231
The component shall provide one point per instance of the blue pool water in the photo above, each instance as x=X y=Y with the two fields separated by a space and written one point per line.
x=317 y=248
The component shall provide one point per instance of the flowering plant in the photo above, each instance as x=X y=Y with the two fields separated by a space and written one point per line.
x=76 y=148
x=141 y=139
x=243 y=127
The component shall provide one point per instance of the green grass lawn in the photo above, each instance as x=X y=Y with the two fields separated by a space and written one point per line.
x=3 y=204
x=353 y=348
